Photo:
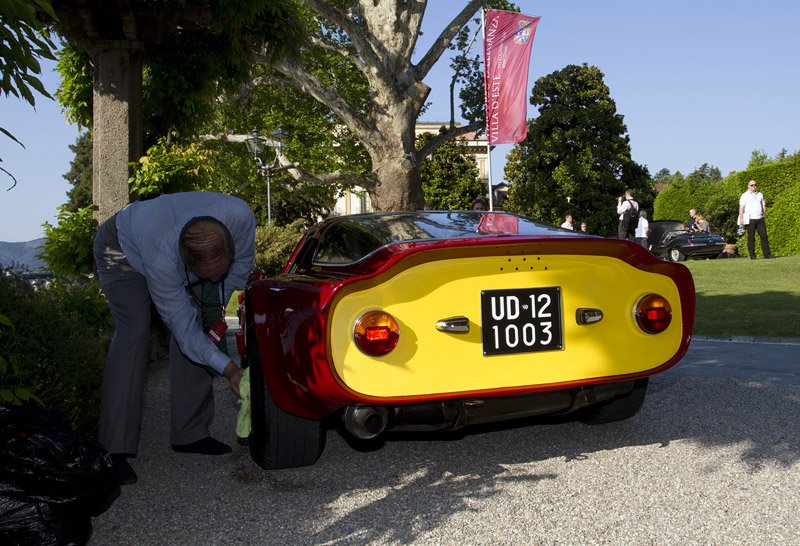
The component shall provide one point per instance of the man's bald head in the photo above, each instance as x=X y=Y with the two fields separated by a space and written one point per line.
x=206 y=247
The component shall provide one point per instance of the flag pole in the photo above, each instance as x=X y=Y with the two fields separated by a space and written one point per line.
x=486 y=112
x=489 y=167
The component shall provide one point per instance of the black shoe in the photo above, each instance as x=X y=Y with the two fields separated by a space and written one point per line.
x=206 y=446
x=123 y=469
x=243 y=441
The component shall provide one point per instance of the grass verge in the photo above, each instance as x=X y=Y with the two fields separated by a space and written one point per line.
x=743 y=297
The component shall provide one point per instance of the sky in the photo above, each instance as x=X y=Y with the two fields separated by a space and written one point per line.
x=697 y=81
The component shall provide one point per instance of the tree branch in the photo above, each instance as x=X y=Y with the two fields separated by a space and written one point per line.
x=444 y=39
x=338 y=176
x=446 y=136
x=337 y=50
x=357 y=35
x=306 y=82
x=294 y=169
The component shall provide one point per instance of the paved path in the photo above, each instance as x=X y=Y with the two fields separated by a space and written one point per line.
x=776 y=360
x=713 y=457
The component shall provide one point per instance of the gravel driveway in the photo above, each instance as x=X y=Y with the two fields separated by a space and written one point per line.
x=709 y=459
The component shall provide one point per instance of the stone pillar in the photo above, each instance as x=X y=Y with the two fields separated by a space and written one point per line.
x=117 y=124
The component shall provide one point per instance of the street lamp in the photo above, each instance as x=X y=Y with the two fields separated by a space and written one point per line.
x=255 y=145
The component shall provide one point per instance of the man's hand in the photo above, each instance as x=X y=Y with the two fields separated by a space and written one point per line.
x=233 y=374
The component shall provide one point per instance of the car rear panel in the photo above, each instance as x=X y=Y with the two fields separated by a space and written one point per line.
x=427 y=362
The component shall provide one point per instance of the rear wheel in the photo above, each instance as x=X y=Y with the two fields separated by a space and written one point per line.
x=278 y=439
x=675 y=255
x=618 y=408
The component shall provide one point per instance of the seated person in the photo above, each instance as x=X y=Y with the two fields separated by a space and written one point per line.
x=702 y=224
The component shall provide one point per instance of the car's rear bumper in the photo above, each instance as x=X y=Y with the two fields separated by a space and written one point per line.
x=369 y=421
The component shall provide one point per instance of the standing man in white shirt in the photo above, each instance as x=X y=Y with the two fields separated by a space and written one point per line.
x=752 y=210
x=568 y=223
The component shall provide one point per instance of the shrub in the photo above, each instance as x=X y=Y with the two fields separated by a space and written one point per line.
x=12 y=390
x=59 y=339
x=783 y=224
x=274 y=245
x=68 y=245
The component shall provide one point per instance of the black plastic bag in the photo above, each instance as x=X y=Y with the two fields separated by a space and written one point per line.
x=23 y=523
x=52 y=479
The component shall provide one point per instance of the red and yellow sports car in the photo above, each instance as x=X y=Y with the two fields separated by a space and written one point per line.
x=437 y=320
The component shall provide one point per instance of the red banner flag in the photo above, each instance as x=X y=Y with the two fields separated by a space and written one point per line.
x=507 y=41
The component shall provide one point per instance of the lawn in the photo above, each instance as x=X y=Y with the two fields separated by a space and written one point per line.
x=744 y=297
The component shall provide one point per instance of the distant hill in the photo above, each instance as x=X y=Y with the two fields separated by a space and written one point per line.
x=23 y=256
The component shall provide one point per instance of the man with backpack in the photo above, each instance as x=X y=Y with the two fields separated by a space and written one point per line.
x=628 y=210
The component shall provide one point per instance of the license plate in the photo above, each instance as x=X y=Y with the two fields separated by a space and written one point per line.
x=521 y=320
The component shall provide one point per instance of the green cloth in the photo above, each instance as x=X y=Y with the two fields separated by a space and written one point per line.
x=243 y=423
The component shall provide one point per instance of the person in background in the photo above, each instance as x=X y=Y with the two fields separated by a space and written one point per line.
x=643 y=229
x=752 y=210
x=702 y=224
x=186 y=253
x=627 y=226
x=568 y=223
x=584 y=227
x=691 y=226
x=478 y=204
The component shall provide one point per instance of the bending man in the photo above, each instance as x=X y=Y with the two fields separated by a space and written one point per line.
x=186 y=253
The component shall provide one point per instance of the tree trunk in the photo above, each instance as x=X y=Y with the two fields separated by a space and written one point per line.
x=117 y=125
x=397 y=185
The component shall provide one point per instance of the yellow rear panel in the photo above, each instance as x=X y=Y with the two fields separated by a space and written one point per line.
x=427 y=361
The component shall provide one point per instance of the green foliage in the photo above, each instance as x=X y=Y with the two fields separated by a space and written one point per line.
x=693 y=192
x=758 y=158
x=68 y=245
x=721 y=210
x=169 y=169
x=450 y=176
x=316 y=140
x=11 y=389
x=74 y=93
x=80 y=173
x=783 y=223
x=187 y=70
x=275 y=244
x=23 y=40
x=60 y=337
x=576 y=158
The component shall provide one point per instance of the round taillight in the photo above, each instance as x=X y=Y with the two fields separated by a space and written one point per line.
x=376 y=333
x=653 y=313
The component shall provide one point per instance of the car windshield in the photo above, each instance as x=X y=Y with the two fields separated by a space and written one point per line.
x=348 y=239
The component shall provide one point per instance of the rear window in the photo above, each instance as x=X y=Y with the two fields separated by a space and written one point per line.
x=348 y=239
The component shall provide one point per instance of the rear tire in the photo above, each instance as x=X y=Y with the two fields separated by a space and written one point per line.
x=618 y=408
x=675 y=255
x=278 y=439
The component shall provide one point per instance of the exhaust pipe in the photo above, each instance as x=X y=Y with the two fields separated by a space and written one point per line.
x=365 y=422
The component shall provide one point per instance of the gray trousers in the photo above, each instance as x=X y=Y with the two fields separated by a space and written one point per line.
x=191 y=394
